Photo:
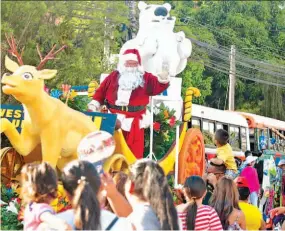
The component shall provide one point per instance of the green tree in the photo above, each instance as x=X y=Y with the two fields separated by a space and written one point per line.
x=255 y=27
x=84 y=26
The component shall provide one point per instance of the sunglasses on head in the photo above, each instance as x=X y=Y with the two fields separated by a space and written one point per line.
x=216 y=173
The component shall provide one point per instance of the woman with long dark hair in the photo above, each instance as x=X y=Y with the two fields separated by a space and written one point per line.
x=82 y=184
x=194 y=215
x=148 y=193
x=225 y=201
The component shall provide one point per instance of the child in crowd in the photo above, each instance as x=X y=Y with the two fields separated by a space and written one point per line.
x=253 y=216
x=148 y=192
x=194 y=215
x=225 y=154
x=225 y=201
x=82 y=183
x=38 y=190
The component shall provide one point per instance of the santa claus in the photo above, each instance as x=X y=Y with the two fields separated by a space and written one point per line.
x=126 y=92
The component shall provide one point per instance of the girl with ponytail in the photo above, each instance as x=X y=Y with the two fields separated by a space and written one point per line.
x=82 y=183
x=39 y=189
x=148 y=193
x=193 y=215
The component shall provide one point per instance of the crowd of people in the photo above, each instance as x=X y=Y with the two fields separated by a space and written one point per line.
x=222 y=199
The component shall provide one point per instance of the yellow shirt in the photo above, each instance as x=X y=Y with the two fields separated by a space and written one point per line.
x=252 y=215
x=225 y=153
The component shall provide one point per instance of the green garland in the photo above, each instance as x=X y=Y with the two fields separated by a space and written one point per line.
x=78 y=103
x=163 y=131
x=9 y=219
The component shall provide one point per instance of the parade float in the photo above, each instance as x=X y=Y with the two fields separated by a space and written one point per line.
x=46 y=128
x=47 y=125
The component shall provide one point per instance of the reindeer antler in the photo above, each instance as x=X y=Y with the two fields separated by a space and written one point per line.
x=49 y=56
x=13 y=49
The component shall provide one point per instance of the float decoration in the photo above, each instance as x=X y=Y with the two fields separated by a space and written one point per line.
x=156 y=41
x=164 y=131
x=58 y=135
x=10 y=207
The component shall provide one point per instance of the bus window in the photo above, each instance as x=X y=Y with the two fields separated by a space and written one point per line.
x=243 y=139
x=208 y=133
x=219 y=126
x=234 y=138
x=226 y=127
x=196 y=123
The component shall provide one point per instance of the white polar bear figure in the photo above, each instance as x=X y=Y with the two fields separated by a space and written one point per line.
x=156 y=41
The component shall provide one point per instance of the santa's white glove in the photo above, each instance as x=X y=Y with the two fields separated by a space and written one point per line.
x=164 y=77
x=94 y=106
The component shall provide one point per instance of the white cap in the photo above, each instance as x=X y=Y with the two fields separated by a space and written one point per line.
x=250 y=159
x=281 y=162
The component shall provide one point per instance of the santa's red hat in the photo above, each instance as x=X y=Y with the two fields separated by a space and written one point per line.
x=132 y=54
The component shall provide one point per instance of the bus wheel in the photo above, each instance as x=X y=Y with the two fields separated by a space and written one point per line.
x=192 y=155
x=115 y=163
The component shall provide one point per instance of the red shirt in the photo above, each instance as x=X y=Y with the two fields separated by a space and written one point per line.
x=206 y=219
x=140 y=96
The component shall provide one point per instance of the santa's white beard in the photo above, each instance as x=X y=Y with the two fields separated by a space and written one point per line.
x=130 y=78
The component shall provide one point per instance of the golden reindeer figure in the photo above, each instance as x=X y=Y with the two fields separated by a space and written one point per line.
x=47 y=121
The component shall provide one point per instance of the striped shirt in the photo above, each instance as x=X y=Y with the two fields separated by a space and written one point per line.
x=206 y=219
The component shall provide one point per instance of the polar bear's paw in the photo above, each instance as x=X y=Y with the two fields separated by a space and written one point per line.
x=180 y=36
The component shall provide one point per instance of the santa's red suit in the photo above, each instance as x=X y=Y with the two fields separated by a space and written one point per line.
x=133 y=116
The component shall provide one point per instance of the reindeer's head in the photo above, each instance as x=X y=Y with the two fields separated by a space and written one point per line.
x=26 y=82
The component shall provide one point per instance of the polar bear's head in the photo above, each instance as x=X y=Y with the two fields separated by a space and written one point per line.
x=151 y=16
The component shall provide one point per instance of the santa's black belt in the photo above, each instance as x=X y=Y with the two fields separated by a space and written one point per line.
x=126 y=108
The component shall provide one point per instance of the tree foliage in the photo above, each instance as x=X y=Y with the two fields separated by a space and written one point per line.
x=93 y=30
x=257 y=29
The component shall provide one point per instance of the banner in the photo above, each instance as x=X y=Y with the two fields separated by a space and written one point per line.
x=15 y=114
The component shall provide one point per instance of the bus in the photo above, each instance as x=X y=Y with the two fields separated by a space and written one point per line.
x=248 y=132
x=265 y=134
x=208 y=120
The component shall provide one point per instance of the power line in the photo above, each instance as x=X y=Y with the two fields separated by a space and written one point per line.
x=225 y=51
x=238 y=74
x=215 y=52
x=218 y=30
x=226 y=68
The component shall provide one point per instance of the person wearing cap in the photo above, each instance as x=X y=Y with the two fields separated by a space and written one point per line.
x=126 y=92
x=243 y=165
x=281 y=164
x=253 y=216
x=250 y=173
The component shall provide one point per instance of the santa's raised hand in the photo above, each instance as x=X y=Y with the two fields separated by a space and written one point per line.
x=164 y=77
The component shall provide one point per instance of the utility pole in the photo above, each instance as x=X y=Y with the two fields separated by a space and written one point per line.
x=232 y=77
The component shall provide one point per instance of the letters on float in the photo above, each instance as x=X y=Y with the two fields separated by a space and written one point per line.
x=15 y=113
